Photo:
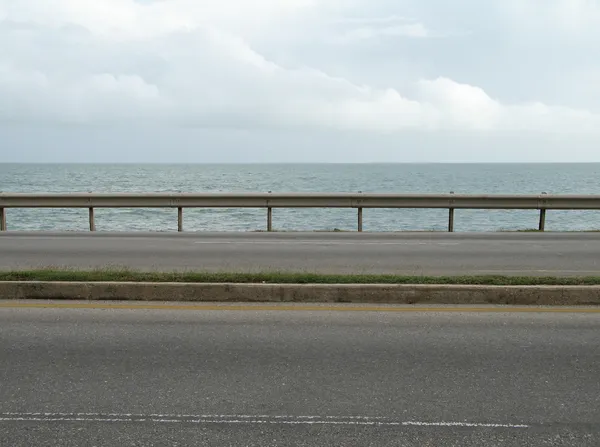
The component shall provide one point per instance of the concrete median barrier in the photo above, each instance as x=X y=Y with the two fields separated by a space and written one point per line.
x=303 y=293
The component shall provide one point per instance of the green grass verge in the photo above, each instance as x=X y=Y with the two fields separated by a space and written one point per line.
x=284 y=278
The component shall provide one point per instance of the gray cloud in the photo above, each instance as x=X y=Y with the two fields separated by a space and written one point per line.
x=391 y=72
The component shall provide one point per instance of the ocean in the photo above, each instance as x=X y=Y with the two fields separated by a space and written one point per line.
x=376 y=178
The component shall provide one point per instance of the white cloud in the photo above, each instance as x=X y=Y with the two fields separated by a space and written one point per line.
x=380 y=27
x=130 y=19
x=191 y=62
x=575 y=17
x=409 y=30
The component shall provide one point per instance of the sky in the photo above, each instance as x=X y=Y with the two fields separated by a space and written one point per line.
x=195 y=81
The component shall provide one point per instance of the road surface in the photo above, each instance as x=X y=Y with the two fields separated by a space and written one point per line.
x=250 y=377
x=401 y=253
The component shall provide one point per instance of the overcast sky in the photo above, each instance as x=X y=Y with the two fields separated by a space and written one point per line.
x=299 y=80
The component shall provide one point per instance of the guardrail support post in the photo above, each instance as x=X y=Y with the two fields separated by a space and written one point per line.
x=92 y=220
x=360 y=219
x=2 y=219
x=269 y=219
x=451 y=217
x=180 y=219
x=542 y=225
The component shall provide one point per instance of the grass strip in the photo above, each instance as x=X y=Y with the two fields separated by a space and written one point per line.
x=284 y=278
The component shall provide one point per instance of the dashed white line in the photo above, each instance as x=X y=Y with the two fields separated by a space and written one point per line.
x=462 y=424
x=196 y=416
x=372 y=421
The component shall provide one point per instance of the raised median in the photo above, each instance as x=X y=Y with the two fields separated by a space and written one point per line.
x=298 y=287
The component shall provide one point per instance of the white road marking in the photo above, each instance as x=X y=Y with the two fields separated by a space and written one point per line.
x=197 y=416
x=462 y=424
x=373 y=421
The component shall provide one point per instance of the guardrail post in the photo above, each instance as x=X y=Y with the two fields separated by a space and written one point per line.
x=360 y=219
x=180 y=219
x=92 y=220
x=2 y=219
x=451 y=218
x=542 y=224
x=269 y=219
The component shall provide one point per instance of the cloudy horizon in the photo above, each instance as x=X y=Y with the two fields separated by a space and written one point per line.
x=299 y=81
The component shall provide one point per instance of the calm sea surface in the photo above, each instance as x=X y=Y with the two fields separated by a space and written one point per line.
x=390 y=178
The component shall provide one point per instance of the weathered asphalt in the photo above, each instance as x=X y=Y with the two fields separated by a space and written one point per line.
x=72 y=377
x=400 y=253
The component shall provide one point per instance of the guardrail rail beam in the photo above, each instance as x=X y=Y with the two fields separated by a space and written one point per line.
x=359 y=201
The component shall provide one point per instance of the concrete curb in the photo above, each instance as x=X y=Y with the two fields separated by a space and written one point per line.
x=303 y=293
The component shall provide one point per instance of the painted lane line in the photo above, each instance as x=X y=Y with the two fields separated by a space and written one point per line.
x=197 y=421
x=462 y=424
x=372 y=421
x=263 y=422
x=193 y=416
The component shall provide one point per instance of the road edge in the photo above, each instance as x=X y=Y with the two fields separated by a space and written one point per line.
x=302 y=293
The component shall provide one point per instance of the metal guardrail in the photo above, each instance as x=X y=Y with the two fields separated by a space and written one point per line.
x=269 y=201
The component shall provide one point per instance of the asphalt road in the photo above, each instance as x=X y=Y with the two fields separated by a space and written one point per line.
x=141 y=377
x=402 y=253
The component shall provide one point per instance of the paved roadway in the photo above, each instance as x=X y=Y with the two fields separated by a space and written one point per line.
x=402 y=253
x=281 y=377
